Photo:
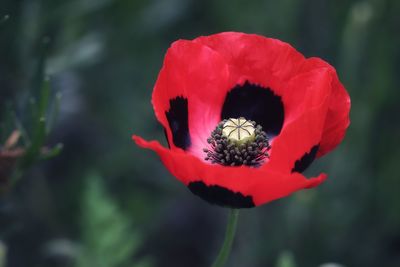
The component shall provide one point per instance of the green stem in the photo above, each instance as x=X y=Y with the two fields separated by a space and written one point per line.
x=229 y=236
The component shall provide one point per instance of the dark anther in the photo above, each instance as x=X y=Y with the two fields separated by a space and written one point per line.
x=225 y=152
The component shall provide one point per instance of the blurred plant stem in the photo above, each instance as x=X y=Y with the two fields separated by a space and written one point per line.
x=229 y=236
x=3 y=254
x=26 y=146
x=30 y=127
x=35 y=150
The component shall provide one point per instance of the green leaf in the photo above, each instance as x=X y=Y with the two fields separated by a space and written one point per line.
x=286 y=259
x=108 y=238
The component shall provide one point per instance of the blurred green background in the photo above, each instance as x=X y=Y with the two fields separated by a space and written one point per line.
x=105 y=202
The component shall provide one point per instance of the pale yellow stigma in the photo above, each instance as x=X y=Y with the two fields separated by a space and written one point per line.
x=239 y=130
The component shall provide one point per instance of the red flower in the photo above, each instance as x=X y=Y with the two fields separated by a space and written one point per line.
x=300 y=104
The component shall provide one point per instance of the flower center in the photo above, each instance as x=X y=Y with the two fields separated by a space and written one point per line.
x=236 y=142
x=238 y=130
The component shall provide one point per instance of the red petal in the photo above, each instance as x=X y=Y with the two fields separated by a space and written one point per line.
x=263 y=185
x=306 y=101
x=263 y=60
x=199 y=74
x=337 y=119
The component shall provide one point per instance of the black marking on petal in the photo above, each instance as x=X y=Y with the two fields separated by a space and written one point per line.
x=255 y=103
x=302 y=164
x=166 y=137
x=178 y=119
x=219 y=195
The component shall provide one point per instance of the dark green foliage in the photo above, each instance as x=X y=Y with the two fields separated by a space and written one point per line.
x=108 y=239
x=33 y=139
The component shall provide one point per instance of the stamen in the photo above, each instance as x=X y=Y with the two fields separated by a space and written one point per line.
x=236 y=142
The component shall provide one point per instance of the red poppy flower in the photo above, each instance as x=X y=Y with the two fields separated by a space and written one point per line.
x=299 y=102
